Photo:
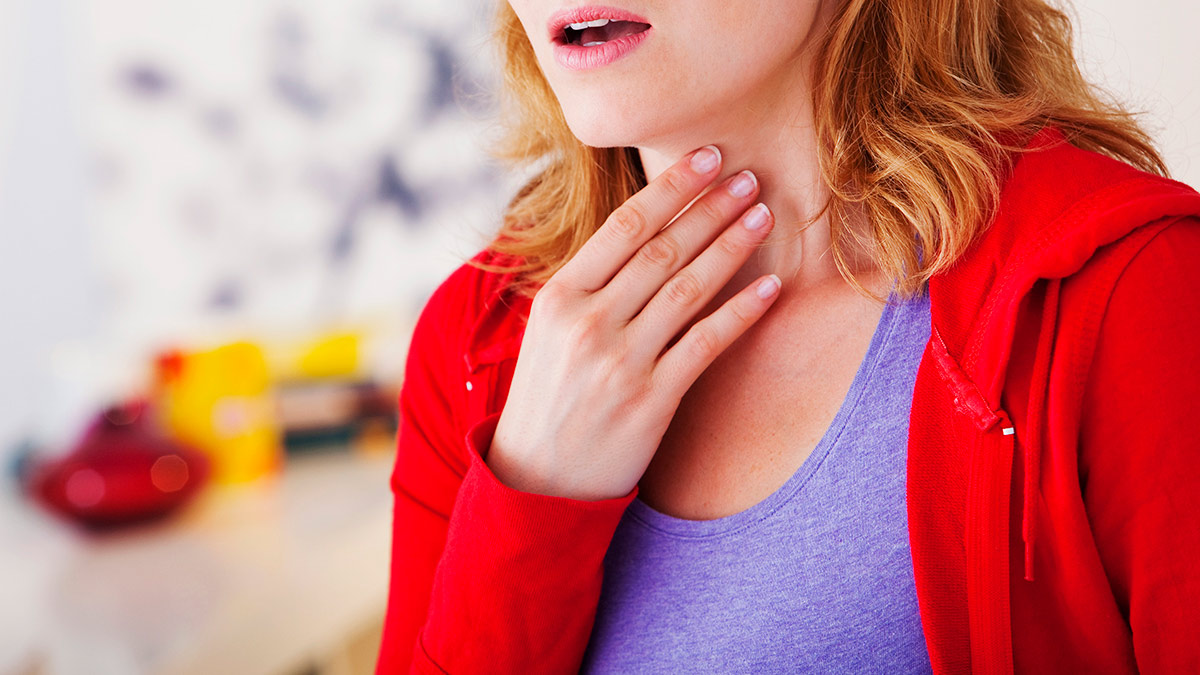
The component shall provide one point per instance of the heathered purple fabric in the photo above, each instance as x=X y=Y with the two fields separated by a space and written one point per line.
x=815 y=578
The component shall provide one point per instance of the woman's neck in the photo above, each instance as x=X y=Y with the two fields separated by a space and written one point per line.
x=778 y=143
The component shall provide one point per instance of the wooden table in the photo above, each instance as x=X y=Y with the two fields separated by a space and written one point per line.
x=267 y=578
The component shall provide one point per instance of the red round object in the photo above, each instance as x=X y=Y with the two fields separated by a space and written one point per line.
x=122 y=471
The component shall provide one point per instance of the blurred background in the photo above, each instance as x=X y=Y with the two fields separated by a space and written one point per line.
x=218 y=221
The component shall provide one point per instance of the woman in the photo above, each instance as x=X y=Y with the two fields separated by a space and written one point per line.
x=665 y=423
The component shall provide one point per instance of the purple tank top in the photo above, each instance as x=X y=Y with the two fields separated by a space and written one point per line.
x=815 y=578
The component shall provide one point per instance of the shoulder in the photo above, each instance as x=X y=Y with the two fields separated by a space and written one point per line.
x=1132 y=316
x=460 y=307
x=1155 y=297
x=1153 y=267
x=1064 y=214
x=1059 y=209
x=1134 y=295
x=471 y=286
x=1060 y=203
x=1166 y=259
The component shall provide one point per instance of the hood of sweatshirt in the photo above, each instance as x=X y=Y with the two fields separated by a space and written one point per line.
x=1058 y=207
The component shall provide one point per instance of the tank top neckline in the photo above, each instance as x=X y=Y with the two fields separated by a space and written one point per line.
x=649 y=517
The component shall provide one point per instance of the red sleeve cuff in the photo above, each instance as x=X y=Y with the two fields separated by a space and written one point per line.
x=479 y=439
x=520 y=576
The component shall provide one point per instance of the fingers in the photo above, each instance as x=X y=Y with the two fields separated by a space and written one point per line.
x=686 y=294
x=672 y=248
x=639 y=219
x=683 y=363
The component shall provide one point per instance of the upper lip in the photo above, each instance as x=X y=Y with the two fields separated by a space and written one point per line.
x=563 y=18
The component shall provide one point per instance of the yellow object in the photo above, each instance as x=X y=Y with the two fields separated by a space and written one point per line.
x=328 y=356
x=220 y=401
x=335 y=355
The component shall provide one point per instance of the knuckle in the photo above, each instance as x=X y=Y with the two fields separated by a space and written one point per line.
x=640 y=396
x=659 y=252
x=627 y=222
x=676 y=182
x=705 y=345
x=740 y=314
x=710 y=209
x=550 y=297
x=682 y=290
x=613 y=366
x=731 y=246
x=587 y=332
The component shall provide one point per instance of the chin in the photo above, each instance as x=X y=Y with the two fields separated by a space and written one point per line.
x=608 y=126
x=601 y=135
x=598 y=124
x=612 y=120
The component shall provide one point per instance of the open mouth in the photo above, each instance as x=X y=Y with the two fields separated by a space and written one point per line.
x=599 y=31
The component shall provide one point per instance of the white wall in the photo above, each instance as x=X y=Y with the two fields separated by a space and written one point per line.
x=1148 y=55
x=48 y=285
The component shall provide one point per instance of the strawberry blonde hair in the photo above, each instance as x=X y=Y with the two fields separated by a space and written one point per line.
x=919 y=106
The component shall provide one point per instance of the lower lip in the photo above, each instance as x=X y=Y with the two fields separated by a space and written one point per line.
x=578 y=57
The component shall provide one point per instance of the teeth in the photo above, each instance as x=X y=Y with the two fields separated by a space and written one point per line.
x=588 y=24
x=592 y=44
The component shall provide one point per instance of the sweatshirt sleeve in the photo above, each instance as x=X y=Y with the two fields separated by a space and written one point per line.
x=1141 y=448
x=484 y=578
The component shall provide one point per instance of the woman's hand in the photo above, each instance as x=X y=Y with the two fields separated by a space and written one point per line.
x=594 y=391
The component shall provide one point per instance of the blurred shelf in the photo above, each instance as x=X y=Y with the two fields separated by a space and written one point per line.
x=266 y=578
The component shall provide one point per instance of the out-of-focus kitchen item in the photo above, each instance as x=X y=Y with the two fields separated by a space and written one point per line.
x=220 y=400
x=325 y=399
x=123 y=470
x=345 y=414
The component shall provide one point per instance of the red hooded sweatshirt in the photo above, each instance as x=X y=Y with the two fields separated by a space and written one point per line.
x=1053 y=473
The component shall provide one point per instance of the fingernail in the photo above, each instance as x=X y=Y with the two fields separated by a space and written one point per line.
x=706 y=159
x=768 y=287
x=743 y=184
x=756 y=217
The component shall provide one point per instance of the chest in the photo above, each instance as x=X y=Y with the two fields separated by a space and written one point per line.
x=815 y=573
x=760 y=409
